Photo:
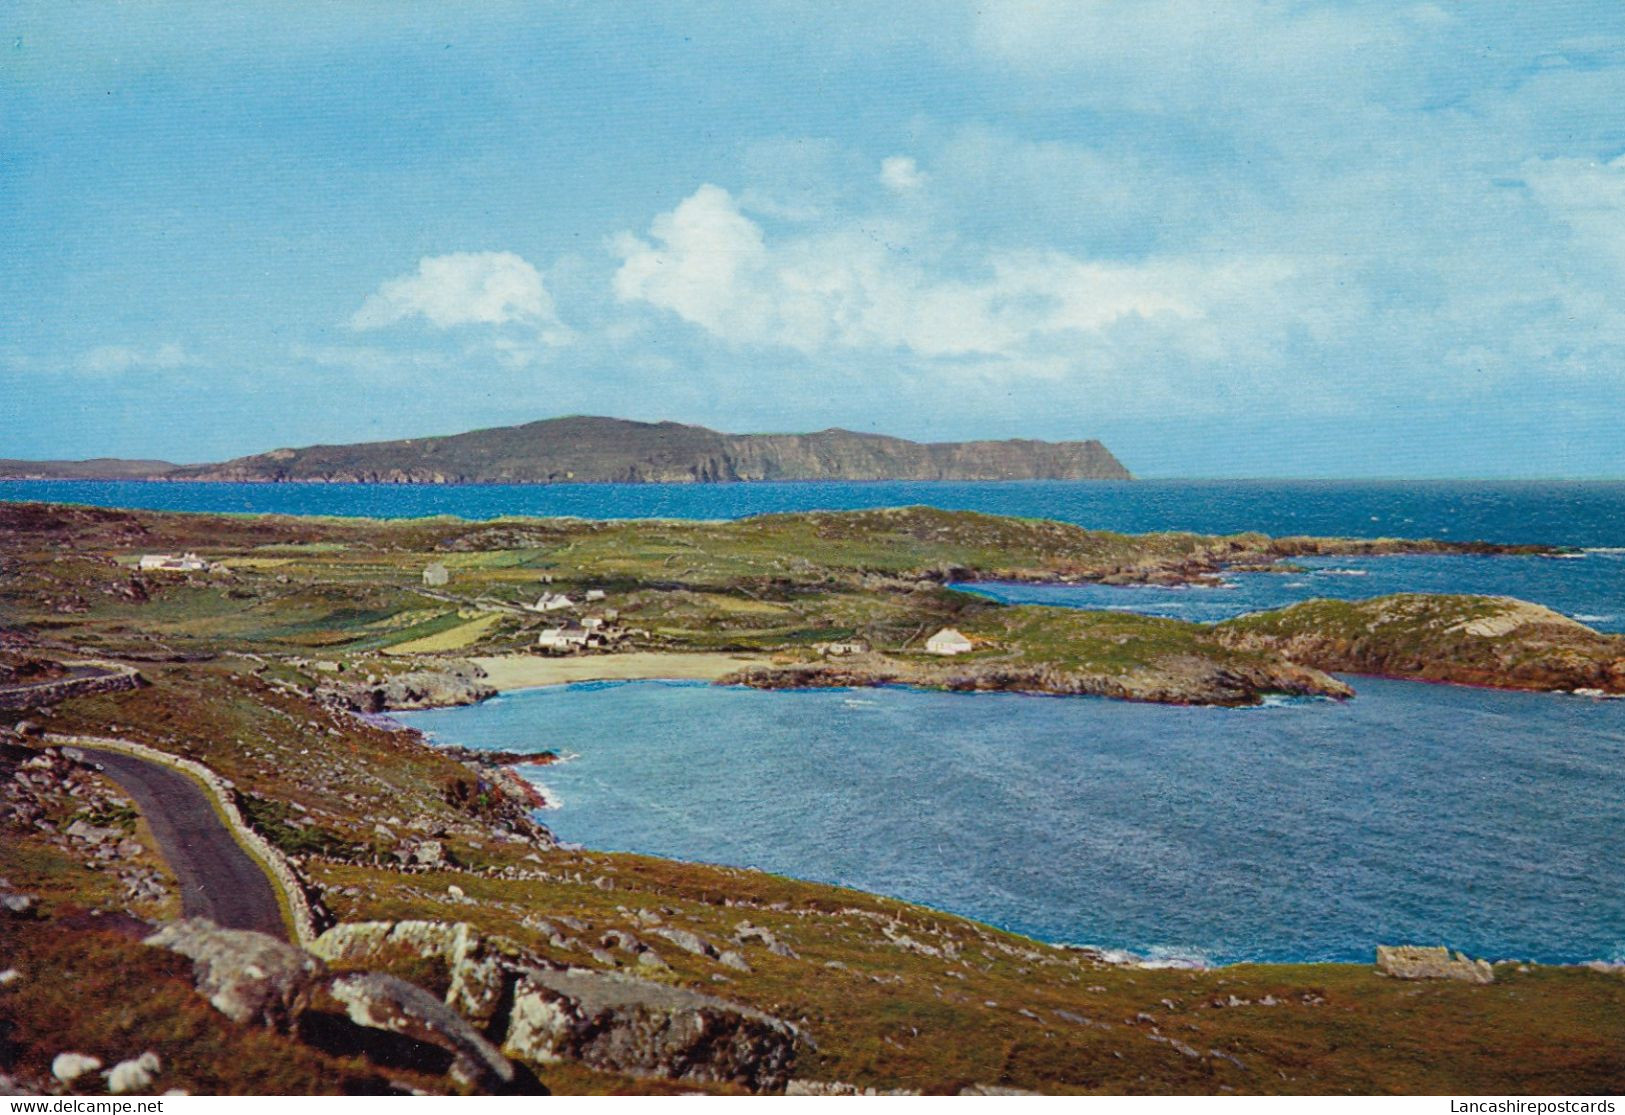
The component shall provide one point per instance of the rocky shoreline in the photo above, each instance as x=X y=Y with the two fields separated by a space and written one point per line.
x=1246 y=553
x=1186 y=681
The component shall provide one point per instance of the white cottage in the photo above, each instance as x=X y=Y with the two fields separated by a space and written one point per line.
x=948 y=641
x=435 y=575
x=552 y=602
x=571 y=636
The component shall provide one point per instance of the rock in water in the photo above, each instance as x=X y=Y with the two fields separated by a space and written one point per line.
x=1431 y=962
x=247 y=976
x=384 y=1002
x=620 y=1024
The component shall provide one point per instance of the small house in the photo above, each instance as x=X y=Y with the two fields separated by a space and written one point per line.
x=435 y=575
x=948 y=641
x=594 y=594
x=572 y=636
x=552 y=602
x=843 y=648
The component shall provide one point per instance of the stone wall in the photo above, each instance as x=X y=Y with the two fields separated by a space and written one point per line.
x=115 y=679
x=286 y=879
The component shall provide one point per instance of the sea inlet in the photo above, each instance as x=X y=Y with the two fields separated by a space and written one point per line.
x=1493 y=822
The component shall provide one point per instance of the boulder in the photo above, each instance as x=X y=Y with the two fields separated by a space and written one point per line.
x=688 y=942
x=92 y=834
x=994 y=1090
x=429 y=853
x=474 y=962
x=249 y=977
x=10 y=1086
x=384 y=1002
x=1431 y=962
x=69 y=1067
x=842 y=1088
x=745 y=933
x=620 y=1024
x=134 y=1075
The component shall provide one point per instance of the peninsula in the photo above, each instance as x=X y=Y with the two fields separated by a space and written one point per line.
x=588 y=450
x=220 y=676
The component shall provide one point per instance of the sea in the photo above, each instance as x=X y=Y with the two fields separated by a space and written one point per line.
x=1304 y=830
x=1490 y=821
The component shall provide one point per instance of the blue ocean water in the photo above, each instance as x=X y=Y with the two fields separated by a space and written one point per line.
x=1570 y=513
x=1589 y=587
x=1491 y=821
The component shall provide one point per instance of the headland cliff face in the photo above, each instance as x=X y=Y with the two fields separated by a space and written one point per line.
x=607 y=450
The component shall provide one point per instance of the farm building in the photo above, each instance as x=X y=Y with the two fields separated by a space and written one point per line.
x=948 y=641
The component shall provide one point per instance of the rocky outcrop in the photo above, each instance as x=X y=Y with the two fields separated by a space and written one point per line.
x=618 y=1024
x=608 y=1021
x=379 y=1001
x=1184 y=679
x=477 y=965
x=1493 y=641
x=459 y=683
x=249 y=977
x=1431 y=962
x=609 y=450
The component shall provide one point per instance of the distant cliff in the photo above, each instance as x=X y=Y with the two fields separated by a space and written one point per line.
x=101 y=468
x=609 y=450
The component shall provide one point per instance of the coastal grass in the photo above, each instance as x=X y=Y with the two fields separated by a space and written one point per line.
x=104 y=994
x=894 y=995
x=900 y=996
x=455 y=637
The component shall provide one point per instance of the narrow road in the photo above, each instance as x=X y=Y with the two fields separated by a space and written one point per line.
x=219 y=880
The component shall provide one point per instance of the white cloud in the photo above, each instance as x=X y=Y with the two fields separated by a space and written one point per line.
x=1162 y=54
x=862 y=286
x=113 y=359
x=901 y=173
x=1586 y=195
x=462 y=288
x=705 y=268
x=367 y=359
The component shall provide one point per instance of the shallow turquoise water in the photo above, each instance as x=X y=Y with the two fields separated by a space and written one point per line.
x=1494 y=822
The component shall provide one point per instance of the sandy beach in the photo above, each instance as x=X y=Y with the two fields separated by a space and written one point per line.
x=528 y=671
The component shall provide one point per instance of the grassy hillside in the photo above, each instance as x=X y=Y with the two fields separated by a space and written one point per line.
x=1472 y=640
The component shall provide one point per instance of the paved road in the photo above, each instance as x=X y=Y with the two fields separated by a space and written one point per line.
x=218 y=879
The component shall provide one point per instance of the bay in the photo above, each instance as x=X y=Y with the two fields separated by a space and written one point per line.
x=1490 y=821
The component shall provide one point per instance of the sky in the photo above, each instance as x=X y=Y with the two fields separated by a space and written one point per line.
x=1240 y=238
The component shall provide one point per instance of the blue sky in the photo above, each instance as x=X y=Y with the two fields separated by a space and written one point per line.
x=1256 y=238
